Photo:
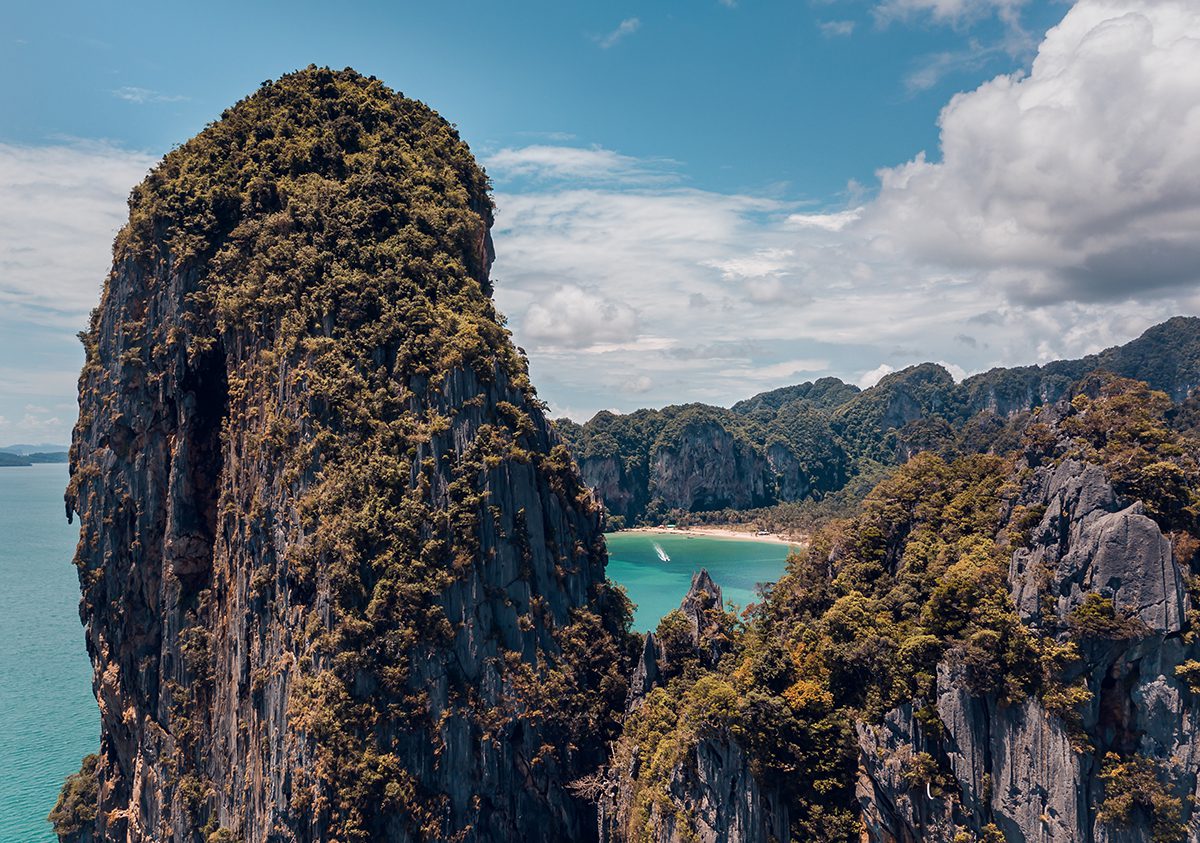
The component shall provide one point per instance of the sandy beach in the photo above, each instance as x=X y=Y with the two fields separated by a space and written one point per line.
x=719 y=533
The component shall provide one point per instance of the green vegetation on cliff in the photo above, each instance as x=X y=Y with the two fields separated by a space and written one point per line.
x=912 y=592
x=307 y=280
x=75 y=809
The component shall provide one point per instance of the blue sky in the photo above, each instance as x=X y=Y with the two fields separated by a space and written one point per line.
x=696 y=201
x=753 y=96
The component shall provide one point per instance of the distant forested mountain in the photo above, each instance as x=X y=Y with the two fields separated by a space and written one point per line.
x=29 y=450
x=806 y=441
x=14 y=458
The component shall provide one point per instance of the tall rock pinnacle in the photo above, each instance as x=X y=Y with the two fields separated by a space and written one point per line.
x=340 y=580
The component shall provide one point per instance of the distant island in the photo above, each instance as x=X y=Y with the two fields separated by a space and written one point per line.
x=26 y=455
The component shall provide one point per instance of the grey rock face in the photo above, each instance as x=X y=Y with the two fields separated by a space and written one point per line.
x=712 y=793
x=645 y=674
x=1017 y=766
x=1021 y=391
x=706 y=467
x=153 y=477
x=791 y=483
x=896 y=807
x=717 y=791
x=1086 y=542
x=700 y=606
x=622 y=493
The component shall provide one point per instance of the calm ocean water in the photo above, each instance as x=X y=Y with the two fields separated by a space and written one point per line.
x=48 y=716
x=657 y=585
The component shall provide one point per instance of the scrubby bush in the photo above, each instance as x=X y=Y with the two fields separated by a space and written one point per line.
x=77 y=802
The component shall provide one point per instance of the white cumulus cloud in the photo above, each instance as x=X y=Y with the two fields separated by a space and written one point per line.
x=1078 y=181
x=577 y=318
x=873 y=376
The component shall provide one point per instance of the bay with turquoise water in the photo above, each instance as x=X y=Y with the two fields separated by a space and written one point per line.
x=657 y=584
x=48 y=716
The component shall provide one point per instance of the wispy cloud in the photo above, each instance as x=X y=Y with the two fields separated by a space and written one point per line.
x=547 y=161
x=836 y=28
x=142 y=96
x=933 y=68
x=59 y=209
x=952 y=12
x=555 y=137
x=624 y=29
x=1016 y=42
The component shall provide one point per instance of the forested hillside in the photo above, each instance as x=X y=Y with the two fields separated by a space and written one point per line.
x=806 y=442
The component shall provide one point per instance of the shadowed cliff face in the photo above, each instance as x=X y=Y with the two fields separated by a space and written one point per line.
x=340 y=580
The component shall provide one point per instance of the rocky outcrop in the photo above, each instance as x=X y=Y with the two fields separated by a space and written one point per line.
x=1088 y=542
x=1008 y=392
x=703 y=606
x=1016 y=769
x=624 y=492
x=1014 y=764
x=646 y=675
x=709 y=794
x=714 y=798
x=688 y=785
x=895 y=787
x=792 y=479
x=333 y=559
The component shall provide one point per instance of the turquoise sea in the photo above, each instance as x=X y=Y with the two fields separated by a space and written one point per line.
x=657 y=585
x=48 y=716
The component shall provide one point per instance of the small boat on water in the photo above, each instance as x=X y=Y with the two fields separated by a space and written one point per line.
x=662 y=554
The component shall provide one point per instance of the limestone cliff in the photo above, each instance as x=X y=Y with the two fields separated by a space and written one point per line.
x=704 y=466
x=339 y=578
x=1012 y=768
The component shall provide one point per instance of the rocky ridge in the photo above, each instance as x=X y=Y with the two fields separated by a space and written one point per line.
x=706 y=790
x=806 y=441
